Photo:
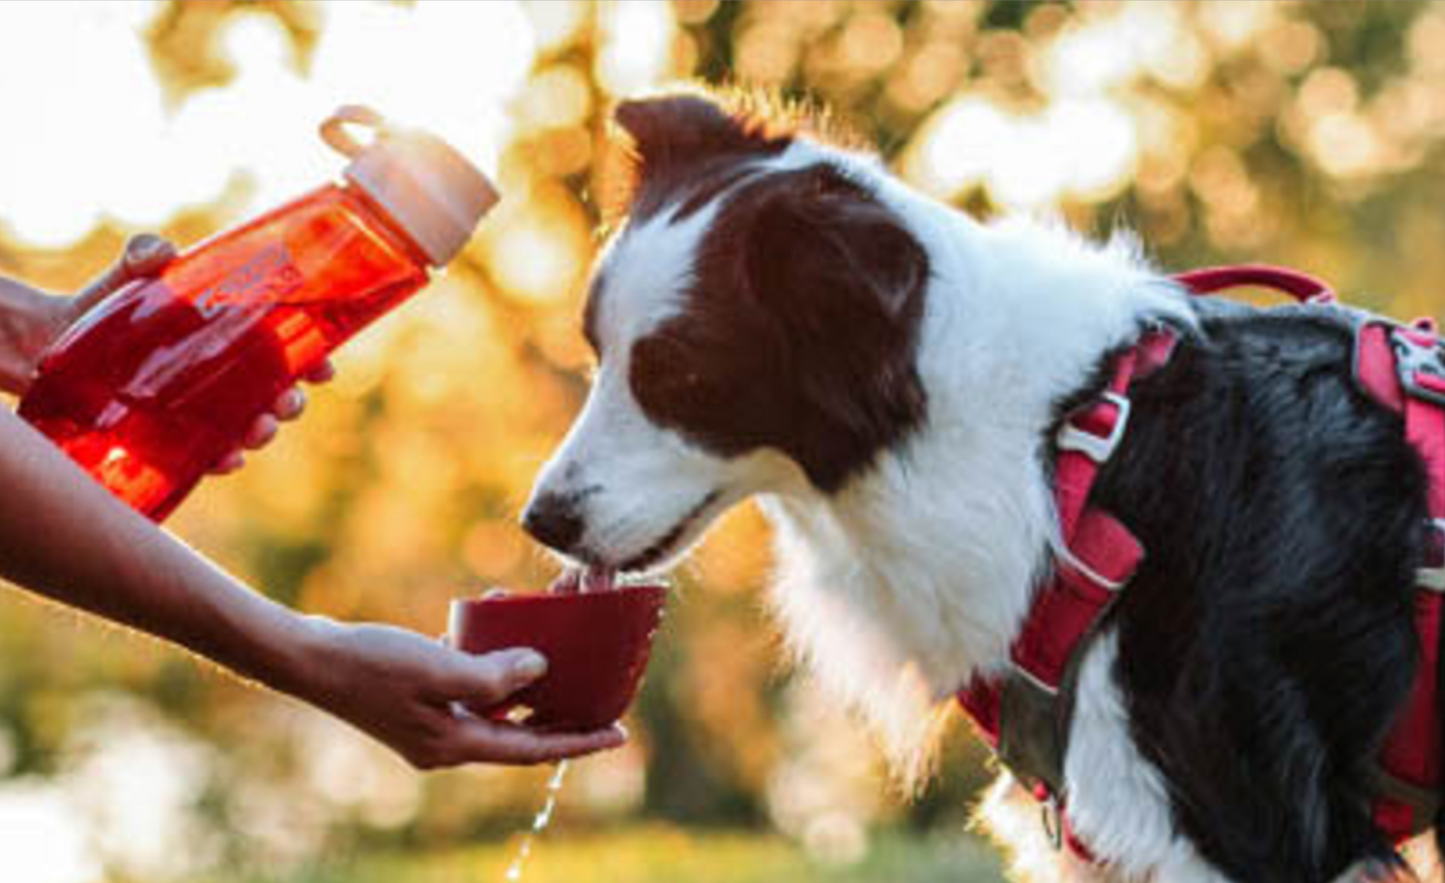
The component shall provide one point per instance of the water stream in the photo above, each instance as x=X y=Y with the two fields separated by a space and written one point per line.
x=539 y=824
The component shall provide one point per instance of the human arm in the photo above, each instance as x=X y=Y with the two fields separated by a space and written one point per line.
x=64 y=537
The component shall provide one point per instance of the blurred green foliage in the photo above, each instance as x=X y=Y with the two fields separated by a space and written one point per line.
x=655 y=854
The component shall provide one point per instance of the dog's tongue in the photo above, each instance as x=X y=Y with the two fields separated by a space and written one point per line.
x=598 y=580
x=589 y=580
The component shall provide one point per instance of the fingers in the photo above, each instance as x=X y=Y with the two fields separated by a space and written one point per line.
x=486 y=679
x=262 y=430
x=147 y=254
x=258 y=436
x=232 y=462
x=144 y=255
x=289 y=404
x=476 y=740
x=321 y=373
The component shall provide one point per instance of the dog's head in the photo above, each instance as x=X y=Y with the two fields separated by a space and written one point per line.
x=755 y=320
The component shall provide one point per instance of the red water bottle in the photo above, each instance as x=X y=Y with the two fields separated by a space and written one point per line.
x=155 y=384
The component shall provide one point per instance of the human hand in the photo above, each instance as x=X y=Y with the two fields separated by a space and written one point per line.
x=408 y=692
x=31 y=320
x=288 y=406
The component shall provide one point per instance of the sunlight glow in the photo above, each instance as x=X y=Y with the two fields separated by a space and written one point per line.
x=41 y=837
x=98 y=142
x=1077 y=148
x=1093 y=58
x=534 y=259
x=81 y=110
x=137 y=780
x=636 y=47
x=1084 y=142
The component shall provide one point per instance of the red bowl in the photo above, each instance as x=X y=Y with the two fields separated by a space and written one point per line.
x=597 y=645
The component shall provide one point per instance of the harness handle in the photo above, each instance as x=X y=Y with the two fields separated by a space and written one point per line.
x=1301 y=286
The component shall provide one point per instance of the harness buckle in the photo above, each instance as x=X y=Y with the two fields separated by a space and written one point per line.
x=1413 y=359
x=1099 y=448
x=1052 y=820
x=1431 y=574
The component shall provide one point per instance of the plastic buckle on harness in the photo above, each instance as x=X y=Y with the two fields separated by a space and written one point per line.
x=1412 y=359
x=1052 y=820
x=1098 y=448
x=1431 y=574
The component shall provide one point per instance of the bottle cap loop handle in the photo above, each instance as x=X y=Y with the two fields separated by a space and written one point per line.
x=431 y=192
x=335 y=132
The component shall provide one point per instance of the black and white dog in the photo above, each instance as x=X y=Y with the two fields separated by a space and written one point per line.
x=780 y=318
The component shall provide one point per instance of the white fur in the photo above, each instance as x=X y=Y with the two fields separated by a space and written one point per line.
x=898 y=589
x=1117 y=801
x=612 y=449
x=926 y=565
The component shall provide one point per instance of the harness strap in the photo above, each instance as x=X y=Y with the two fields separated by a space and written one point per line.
x=1089 y=436
x=1302 y=287
x=1402 y=369
x=1024 y=715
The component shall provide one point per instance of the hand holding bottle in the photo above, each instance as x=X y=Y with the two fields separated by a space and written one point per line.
x=156 y=385
x=31 y=320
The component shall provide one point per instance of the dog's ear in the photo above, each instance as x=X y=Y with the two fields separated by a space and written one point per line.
x=829 y=235
x=688 y=127
x=664 y=137
x=845 y=280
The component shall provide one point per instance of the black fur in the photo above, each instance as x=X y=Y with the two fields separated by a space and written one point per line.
x=1267 y=641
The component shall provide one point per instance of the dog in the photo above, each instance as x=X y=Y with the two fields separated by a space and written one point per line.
x=776 y=317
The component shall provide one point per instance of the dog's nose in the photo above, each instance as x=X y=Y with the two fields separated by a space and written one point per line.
x=553 y=521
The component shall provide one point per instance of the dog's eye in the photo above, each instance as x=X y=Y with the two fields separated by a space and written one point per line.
x=662 y=376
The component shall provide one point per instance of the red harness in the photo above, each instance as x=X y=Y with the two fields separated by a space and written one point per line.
x=1024 y=714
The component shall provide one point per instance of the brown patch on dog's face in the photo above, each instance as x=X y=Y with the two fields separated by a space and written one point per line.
x=798 y=332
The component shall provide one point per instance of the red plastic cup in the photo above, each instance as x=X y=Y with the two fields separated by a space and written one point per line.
x=597 y=646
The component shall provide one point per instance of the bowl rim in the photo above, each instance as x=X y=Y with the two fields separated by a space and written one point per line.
x=545 y=597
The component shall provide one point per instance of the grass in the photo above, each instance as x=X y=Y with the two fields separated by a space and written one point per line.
x=656 y=854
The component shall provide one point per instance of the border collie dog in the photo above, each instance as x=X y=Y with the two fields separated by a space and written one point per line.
x=776 y=317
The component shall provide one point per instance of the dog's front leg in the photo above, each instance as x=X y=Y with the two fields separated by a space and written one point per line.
x=1011 y=816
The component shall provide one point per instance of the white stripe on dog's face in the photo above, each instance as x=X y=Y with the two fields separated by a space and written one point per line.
x=641 y=493
x=640 y=279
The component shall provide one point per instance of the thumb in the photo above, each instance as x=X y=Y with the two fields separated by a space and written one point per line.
x=490 y=678
x=145 y=255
